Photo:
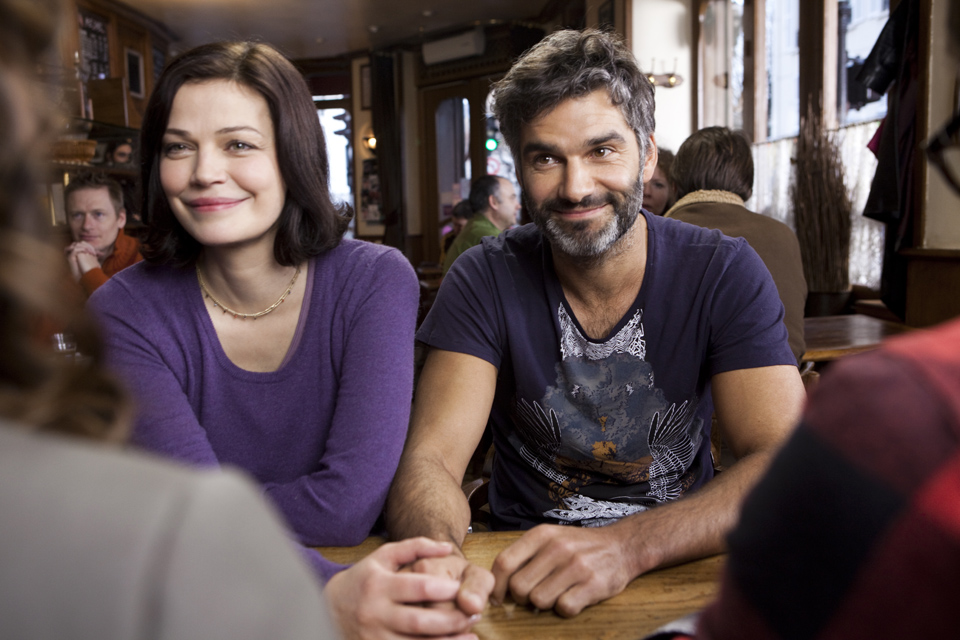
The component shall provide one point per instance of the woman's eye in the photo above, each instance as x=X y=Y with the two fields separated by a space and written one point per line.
x=173 y=148
x=238 y=145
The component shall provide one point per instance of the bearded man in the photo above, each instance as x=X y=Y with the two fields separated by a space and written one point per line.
x=597 y=341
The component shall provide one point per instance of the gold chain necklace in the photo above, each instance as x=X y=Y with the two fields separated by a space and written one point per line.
x=244 y=316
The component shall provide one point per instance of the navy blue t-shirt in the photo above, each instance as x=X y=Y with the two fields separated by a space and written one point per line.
x=586 y=431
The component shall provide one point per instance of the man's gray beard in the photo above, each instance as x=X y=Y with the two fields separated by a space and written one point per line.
x=574 y=242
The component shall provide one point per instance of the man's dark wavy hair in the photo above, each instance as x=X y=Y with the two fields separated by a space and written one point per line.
x=570 y=64
x=310 y=223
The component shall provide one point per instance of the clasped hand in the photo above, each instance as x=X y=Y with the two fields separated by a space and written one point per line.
x=563 y=568
x=81 y=256
x=374 y=599
x=549 y=567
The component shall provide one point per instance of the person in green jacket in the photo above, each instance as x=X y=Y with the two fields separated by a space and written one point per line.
x=495 y=205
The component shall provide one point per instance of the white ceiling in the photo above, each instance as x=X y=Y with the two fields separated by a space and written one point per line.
x=325 y=28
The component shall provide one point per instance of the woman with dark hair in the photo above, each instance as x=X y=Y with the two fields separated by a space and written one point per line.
x=659 y=193
x=253 y=335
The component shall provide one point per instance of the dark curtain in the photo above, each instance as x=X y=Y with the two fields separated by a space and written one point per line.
x=895 y=61
x=386 y=127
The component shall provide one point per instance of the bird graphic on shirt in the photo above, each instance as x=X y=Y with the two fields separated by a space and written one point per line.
x=672 y=450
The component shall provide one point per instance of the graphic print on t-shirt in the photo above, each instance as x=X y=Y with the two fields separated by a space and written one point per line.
x=605 y=429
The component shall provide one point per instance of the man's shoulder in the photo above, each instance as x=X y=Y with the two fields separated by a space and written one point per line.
x=523 y=240
x=475 y=230
x=732 y=217
x=683 y=242
x=520 y=247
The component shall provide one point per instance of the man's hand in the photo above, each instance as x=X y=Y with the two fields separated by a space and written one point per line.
x=81 y=256
x=373 y=600
x=475 y=582
x=563 y=568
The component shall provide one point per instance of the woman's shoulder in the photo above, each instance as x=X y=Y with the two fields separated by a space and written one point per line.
x=356 y=273
x=367 y=260
x=142 y=282
x=350 y=248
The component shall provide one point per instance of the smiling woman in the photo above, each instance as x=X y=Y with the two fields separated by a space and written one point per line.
x=218 y=165
x=253 y=335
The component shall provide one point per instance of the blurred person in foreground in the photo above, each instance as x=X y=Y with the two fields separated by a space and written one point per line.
x=96 y=216
x=98 y=543
x=596 y=342
x=854 y=532
x=659 y=192
x=713 y=172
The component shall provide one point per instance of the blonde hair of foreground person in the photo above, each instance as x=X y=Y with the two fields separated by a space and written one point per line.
x=37 y=391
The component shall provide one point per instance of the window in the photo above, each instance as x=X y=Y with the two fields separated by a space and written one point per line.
x=729 y=79
x=860 y=22
x=335 y=121
x=782 y=26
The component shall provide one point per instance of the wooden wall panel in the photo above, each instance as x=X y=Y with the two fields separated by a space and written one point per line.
x=933 y=286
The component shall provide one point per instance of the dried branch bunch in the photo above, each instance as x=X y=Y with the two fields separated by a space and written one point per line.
x=821 y=206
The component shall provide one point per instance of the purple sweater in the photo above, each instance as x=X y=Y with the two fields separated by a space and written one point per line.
x=322 y=434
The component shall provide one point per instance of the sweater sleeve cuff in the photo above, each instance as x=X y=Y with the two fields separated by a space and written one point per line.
x=323 y=568
x=93 y=280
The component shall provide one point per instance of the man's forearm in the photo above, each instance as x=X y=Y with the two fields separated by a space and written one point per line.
x=695 y=526
x=426 y=500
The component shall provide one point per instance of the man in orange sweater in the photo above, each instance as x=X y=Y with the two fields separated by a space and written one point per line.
x=96 y=216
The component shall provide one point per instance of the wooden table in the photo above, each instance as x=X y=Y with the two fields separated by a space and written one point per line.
x=647 y=603
x=832 y=337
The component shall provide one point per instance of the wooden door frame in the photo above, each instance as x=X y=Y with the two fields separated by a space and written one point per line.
x=429 y=98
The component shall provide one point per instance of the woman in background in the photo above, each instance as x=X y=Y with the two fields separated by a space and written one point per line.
x=253 y=336
x=659 y=193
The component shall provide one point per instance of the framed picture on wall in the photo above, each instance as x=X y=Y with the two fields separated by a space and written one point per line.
x=370 y=211
x=134 y=62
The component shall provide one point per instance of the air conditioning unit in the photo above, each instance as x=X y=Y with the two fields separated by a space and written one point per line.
x=470 y=43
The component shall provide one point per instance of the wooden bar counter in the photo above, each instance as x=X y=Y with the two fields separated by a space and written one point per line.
x=832 y=337
x=647 y=603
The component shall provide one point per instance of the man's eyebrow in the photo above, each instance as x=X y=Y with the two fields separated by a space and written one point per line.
x=538 y=147
x=535 y=146
x=613 y=136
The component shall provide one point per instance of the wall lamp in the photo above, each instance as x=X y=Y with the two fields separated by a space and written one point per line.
x=667 y=80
